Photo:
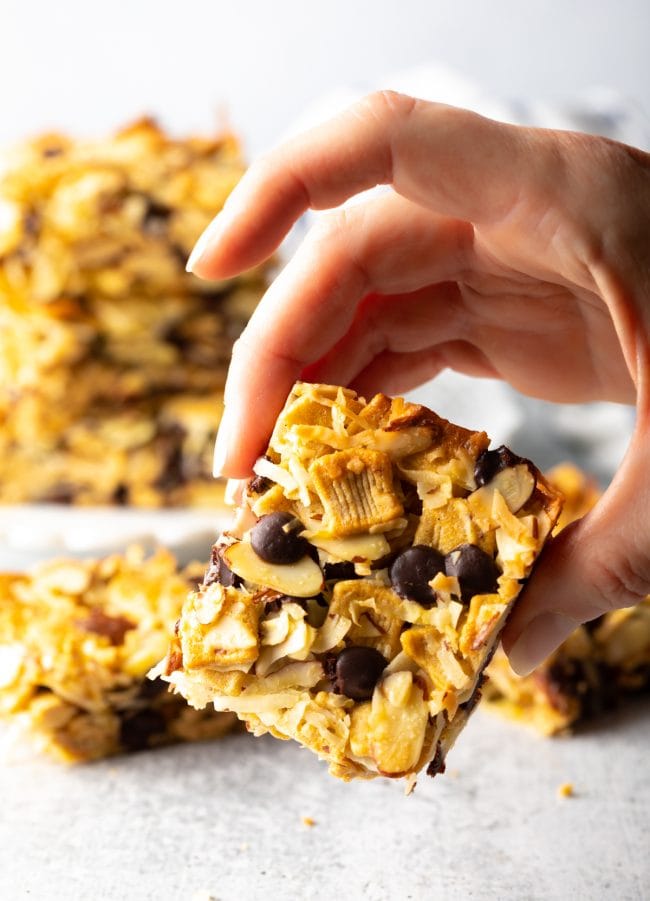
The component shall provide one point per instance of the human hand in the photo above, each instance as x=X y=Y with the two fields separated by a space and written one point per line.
x=508 y=252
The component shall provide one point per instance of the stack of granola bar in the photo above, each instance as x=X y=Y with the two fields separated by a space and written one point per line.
x=112 y=357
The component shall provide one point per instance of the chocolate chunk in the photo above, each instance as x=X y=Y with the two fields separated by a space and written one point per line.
x=490 y=462
x=412 y=571
x=112 y=627
x=121 y=494
x=220 y=572
x=156 y=218
x=339 y=571
x=151 y=688
x=437 y=765
x=356 y=672
x=169 y=449
x=476 y=571
x=259 y=485
x=275 y=538
x=138 y=729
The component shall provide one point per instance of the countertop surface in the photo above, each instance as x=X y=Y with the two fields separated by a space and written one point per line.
x=225 y=821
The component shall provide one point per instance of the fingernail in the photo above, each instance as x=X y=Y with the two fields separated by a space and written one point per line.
x=209 y=236
x=221 y=445
x=234 y=492
x=540 y=637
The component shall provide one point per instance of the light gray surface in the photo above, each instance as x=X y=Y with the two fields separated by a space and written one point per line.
x=89 y=66
x=224 y=820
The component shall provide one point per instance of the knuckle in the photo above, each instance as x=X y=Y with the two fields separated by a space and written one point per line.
x=622 y=580
x=329 y=226
x=388 y=104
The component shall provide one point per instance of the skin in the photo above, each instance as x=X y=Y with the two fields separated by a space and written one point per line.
x=500 y=251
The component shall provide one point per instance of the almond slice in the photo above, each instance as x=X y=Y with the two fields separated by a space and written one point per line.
x=355 y=547
x=515 y=483
x=303 y=579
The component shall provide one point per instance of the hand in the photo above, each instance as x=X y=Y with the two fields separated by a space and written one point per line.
x=515 y=253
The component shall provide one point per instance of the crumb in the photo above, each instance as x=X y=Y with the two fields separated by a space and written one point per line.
x=453 y=774
x=203 y=895
x=244 y=846
x=566 y=790
x=411 y=782
x=307 y=821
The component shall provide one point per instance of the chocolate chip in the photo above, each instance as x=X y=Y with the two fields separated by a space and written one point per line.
x=169 y=449
x=112 y=627
x=156 y=218
x=356 y=672
x=412 y=571
x=275 y=538
x=437 y=765
x=339 y=571
x=151 y=688
x=476 y=571
x=259 y=485
x=220 y=572
x=138 y=729
x=490 y=462
x=121 y=495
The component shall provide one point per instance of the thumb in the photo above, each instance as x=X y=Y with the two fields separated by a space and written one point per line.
x=595 y=565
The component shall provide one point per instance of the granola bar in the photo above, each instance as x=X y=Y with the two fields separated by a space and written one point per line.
x=594 y=668
x=76 y=641
x=357 y=599
x=112 y=357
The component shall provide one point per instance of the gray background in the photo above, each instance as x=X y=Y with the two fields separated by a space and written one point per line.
x=224 y=820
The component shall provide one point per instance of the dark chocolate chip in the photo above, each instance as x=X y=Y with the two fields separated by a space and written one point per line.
x=259 y=485
x=138 y=729
x=490 y=462
x=476 y=571
x=342 y=572
x=220 y=572
x=357 y=671
x=412 y=571
x=112 y=627
x=151 y=688
x=121 y=495
x=437 y=765
x=275 y=538
x=156 y=218
x=169 y=449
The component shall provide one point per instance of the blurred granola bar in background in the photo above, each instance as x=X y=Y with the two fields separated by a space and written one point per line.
x=595 y=667
x=112 y=357
x=76 y=641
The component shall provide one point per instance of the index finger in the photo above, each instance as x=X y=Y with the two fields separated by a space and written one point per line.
x=453 y=161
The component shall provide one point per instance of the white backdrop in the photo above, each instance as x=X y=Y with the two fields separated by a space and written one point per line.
x=89 y=65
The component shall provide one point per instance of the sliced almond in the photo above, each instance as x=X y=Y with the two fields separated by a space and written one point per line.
x=515 y=483
x=356 y=547
x=303 y=579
